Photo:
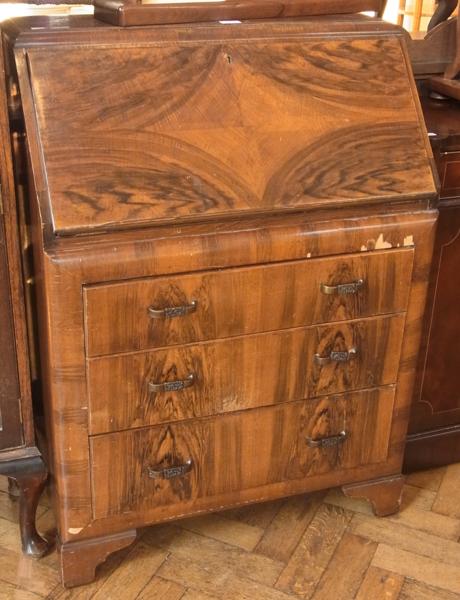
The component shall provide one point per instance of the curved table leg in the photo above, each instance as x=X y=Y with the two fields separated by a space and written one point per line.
x=30 y=476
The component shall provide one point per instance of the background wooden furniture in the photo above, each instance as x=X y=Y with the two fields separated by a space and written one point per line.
x=434 y=438
x=432 y=53
x=448 y=84
x=192 y=213
x=19 y=457
x=414 y=10
x=125 y=13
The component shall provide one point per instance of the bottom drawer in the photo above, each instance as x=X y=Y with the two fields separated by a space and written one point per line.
x=178 y=464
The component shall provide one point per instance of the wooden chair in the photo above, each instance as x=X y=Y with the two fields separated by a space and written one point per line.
x=449 y=84
x=415 y=9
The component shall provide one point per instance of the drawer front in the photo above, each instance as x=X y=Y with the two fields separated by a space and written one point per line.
x=197 y=380
x=178 y=464
x=163 y=311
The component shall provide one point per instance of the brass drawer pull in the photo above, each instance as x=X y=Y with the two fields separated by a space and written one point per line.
x=170 y=472
x=339 y=357
x=342 y=289
x=172 y=311
x=172 y=386
x=327 y=442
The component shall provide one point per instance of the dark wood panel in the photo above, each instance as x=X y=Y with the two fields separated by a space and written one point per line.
x=241 y=373
x=432 y=449
x=181 y=131
x=435 y=418
x=236 y=452
x=437 y=401
x=11 y=434
x=443 y=123
x=243 y=301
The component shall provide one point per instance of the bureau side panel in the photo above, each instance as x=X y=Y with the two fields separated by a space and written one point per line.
x=10 y=416
x=13 y=282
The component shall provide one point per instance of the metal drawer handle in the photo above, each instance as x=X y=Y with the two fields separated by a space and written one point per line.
x=344 y=288
x=339 y=357
x=172 y=386
x=327 y=442
x=170 y=472
x=172 y=311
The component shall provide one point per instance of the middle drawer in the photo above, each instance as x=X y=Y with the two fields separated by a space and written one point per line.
x=209 y=378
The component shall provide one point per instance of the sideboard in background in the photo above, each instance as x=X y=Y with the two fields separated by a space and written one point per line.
x=20 y=459
x=434 y=431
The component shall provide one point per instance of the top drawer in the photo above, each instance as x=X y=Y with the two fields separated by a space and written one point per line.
x=163 y=311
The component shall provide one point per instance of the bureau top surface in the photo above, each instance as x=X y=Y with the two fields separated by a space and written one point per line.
x=171 y=124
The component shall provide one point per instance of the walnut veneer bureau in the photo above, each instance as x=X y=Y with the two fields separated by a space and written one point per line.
x=233 y=230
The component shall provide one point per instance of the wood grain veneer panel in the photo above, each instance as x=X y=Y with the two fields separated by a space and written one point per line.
x=243 y=301
x=237 y=452
x=174 y=131
x=241 y=373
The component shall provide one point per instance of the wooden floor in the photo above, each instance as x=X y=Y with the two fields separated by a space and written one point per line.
x=323 y=546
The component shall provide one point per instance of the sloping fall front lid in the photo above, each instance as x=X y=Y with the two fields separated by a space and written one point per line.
x=160 y=124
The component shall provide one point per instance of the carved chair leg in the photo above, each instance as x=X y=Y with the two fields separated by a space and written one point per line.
x=79 y=559
x=383 y=494
x=30 y=476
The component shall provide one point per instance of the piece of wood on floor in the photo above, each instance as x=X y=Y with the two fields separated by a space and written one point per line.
x=161 y=589
x=225 y=530
x=26 y=573
x=212 y=554
x=223 y=584
x=11 y=592
x=380 y=585
x=196 y=595
x=345 y=572
x=284 y=532
x=414 y=590
x=447 y=499
x=399 y=536
x=314 y=551
x=429 y=480
x=423 y=569
x=134 y=573
x=417 y=497
x=410 y=516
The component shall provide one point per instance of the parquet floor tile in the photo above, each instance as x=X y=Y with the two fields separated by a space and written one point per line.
x=321 y=546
